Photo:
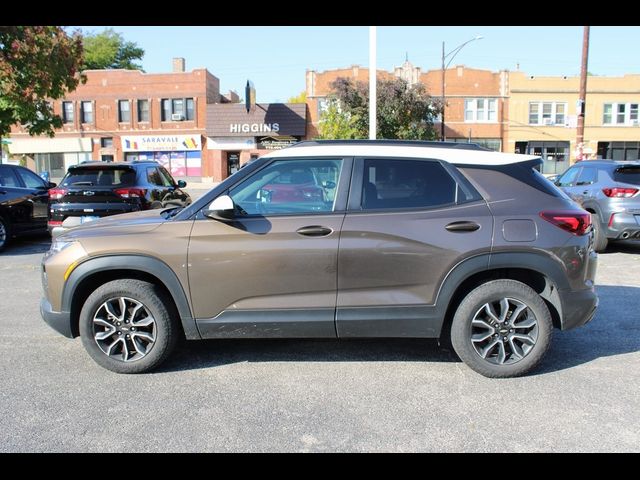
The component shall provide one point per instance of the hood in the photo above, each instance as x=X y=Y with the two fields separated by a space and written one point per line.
x=136 y=222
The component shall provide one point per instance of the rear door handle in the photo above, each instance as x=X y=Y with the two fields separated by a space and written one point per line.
x=462 y=227
x=314 y=231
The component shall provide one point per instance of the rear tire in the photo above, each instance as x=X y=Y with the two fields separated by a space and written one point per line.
x=5 y=233
x=126 y=326
x=600 y=240
x=502 y=329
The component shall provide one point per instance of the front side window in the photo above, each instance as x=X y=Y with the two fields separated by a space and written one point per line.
x=569 y=177
x=587 y=176
x=401 y=184
x=289 y=187
x=30 y=179
x=124 y=111
x=67 y=112
x=87 y=112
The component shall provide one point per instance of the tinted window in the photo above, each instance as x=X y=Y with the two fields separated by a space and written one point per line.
x=167 y=179
x=587 y=176
x=106 y=177
x=406 y=184
x=30 y=179
x=289 y=186
x=153 y=176
x=569 y=177
x=627 y=175
x=8 y=178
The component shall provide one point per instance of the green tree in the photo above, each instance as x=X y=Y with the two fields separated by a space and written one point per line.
x=110 y=50
x=404 y=111
x=37 y=64
x=300 y=98
x=337 y=124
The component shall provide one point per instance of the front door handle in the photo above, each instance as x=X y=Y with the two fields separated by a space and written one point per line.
x=462 y=227
x=314 y=231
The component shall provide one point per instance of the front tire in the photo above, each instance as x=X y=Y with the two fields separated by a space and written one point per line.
x=126 y=326
x=502 y=329
x=5 y=233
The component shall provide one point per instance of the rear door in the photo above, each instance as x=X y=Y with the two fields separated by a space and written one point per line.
x=408 y=224
x=568 y=180
x=37 y=191
x=585 y=187
x=15 y=206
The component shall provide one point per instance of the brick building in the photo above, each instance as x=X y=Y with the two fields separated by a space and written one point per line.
x=125 y=115
x=476 y=100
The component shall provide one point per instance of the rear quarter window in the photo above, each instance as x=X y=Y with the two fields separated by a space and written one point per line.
x=104 y=177
x=627 y=175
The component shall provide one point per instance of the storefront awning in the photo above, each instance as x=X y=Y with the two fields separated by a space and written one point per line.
x=49 y=145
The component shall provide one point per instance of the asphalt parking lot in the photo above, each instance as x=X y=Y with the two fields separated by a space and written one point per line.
x=317 y=395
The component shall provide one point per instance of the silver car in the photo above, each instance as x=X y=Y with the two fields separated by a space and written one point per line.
x=610 y=190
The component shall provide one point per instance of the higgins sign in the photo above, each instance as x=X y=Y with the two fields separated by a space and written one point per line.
x=254 y=128
x=160 y=143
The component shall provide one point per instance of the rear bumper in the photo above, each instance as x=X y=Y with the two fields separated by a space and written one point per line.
x=578 y=307
x=624 y=225
x=60 y=211
x=59 y=321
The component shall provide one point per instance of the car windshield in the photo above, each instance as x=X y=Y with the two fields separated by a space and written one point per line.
x=627 y=175
x=107 y=177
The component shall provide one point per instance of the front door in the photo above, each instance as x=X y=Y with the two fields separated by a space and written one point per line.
x=233 y=163
x=409 y=223
x=272 y=270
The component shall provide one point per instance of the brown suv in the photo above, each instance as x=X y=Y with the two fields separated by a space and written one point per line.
x=376 y=239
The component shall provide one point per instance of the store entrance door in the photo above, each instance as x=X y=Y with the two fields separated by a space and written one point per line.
x=233 y=163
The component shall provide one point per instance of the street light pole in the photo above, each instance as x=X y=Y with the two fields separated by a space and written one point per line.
x=453 y=53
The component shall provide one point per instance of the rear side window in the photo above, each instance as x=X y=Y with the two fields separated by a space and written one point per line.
x=102 y=177
x=30 y=179
x=402 y=183
x=8 y=177
x=627 y=175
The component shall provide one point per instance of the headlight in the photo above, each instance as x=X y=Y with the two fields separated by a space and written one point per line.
x=58 y=245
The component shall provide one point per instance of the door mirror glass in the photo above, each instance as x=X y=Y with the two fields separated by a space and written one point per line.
x=182 y=184
x=222 y=208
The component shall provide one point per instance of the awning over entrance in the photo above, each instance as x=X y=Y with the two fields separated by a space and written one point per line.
x=49 y=145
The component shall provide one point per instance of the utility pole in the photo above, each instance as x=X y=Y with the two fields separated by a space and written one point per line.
x=373 y=73
x=583 y=94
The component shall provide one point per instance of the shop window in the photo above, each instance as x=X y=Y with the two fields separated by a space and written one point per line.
x=124 y=111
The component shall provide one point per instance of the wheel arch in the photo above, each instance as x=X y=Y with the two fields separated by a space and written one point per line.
x=538 y=271
x=94 y=272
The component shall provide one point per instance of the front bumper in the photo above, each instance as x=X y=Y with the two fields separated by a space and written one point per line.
x=578 y=307
x=59 y=321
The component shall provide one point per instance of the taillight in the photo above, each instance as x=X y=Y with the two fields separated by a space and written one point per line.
x=57 y=193
x=573 y=221
x=130 y=192
x=619 y=192
x=54 y=223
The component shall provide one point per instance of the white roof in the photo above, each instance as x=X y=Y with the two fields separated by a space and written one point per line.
x=451 y=155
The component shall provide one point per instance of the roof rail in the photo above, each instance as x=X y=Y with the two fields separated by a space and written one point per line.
x=403 y=143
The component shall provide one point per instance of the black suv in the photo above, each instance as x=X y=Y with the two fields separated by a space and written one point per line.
x=23 y=202
x=92 y=190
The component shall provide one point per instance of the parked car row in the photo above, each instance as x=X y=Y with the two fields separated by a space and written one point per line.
x=90 y=190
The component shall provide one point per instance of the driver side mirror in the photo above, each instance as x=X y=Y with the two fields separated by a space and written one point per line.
x=52 y=184
x=182 y=184
x=329 y=184
x=222 y=208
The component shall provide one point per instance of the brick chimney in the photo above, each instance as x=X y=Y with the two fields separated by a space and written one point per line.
x=178 y=65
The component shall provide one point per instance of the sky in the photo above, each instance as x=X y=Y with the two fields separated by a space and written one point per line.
x=275 y=59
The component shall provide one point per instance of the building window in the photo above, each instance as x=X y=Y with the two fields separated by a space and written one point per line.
x=87 y=112
x=494 y=144
x=67 y=112
x=106 y=158
x=479 y=110
x=143 y=110
x=106 y=142
x=619 y=150
x=547 y=113
x=124 y=111
x=178 y=109
x=620 y=114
